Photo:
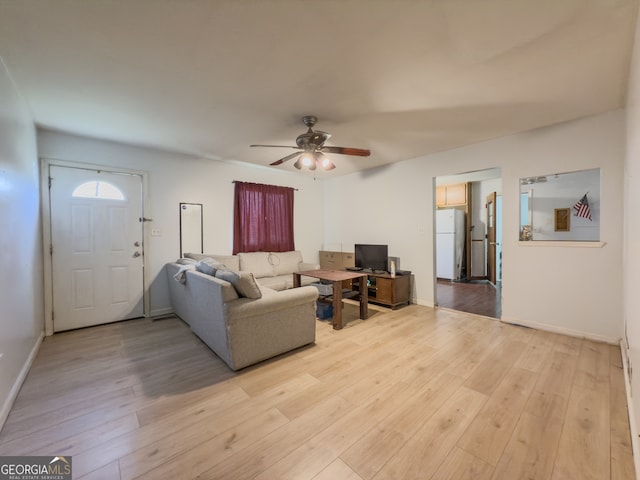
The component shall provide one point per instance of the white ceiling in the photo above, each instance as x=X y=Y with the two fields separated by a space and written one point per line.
x=402 y=78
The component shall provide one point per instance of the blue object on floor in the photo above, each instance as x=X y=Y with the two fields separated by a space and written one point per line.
x=324 y=311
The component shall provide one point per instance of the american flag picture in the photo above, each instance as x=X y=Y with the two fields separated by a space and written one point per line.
x=582 y=208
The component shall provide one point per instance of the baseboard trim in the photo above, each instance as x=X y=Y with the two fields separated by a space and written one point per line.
x=564 y=331
x=630 y=410
x=424 y=303
x=161 y=312
x=15 y=389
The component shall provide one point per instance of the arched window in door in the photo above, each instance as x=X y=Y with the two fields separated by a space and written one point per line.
x=98 y=189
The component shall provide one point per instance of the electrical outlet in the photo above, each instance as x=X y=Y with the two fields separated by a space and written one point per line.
x=156 y=232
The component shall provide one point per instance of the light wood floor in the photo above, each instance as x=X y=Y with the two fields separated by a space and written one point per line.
x=414 y=393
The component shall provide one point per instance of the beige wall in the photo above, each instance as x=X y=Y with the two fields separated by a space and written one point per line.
x=21 y=293
x=565 y=289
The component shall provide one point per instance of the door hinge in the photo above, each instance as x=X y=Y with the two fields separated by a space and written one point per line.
x=52 y=315
x=50 y=178
x=50 y=249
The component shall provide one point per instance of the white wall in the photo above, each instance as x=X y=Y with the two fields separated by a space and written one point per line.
x=21 y=291
x=175 y=178
x=565 y=289
x=631 y=257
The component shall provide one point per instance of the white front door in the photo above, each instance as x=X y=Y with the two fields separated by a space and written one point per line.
x=96 y=240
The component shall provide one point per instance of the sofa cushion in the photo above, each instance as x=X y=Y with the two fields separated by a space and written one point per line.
x=196 y=256
x=244 y=282
x=208 y=266
x=230 y=261
x=186 y=261
x=256 y=263
x=275 y=283
x=285 y=262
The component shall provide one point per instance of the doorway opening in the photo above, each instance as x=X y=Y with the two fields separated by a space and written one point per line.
x=468 y=242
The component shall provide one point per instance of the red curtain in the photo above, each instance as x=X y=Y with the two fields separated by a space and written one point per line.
x=262 y=218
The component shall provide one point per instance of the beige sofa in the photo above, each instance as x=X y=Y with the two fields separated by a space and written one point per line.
x=243 y=331
x=271 y=269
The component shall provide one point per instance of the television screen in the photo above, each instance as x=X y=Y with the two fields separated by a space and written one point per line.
x=374 y=257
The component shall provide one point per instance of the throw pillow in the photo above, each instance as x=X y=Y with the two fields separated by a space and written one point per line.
x=244 y=282
x=247 y=286
x=208 y=266
x=227 y=275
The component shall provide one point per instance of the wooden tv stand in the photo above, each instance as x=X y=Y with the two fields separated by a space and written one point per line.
x=387 y=290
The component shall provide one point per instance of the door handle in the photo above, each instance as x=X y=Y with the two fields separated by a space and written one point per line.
x=136 y=244
x=136 y=254
x=492 y=243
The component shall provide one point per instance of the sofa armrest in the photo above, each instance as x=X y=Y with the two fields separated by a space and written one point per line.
x=273 y=302
x=302 y=266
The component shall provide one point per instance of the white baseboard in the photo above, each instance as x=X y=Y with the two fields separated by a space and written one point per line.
x=564 y=331
x=13 y=393
x=631 y=411
x=424 y=303
x=160 y=312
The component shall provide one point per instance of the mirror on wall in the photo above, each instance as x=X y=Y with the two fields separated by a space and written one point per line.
x=561 y=206
x=190 y=228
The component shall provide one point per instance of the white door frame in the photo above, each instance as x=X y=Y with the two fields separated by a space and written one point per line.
x=45 y=163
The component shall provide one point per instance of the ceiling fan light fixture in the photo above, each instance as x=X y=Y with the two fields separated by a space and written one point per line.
x=310 y=145
x=328 y=165
x=307 y=159
x=325 y=162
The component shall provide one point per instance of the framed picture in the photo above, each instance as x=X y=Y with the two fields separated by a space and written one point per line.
x=562 y=219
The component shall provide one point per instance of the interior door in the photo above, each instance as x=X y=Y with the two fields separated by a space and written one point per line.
x=96 y=246
x=491 y=237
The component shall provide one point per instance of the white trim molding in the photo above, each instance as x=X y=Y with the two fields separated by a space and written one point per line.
x=564 y=331
x=635 y=447
x=45 y=163
x=22 y=375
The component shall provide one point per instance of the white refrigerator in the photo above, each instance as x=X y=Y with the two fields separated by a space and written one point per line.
x=450 y=241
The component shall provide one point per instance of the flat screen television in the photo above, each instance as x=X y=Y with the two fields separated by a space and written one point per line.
x=373 y=257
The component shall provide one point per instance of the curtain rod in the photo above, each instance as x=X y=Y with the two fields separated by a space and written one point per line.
x=235 y=181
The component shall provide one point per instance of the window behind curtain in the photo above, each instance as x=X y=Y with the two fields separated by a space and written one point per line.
x=263 y=218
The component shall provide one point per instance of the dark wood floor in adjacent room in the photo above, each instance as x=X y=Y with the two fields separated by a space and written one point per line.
x=479 y=297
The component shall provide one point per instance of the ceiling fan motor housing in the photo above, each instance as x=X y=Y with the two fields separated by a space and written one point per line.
x=311 y=143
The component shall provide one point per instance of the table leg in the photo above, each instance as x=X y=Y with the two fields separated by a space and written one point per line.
x=296 y=279
x=337 y=305
x=364 y=298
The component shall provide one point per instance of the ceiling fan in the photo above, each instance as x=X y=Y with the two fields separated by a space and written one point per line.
x=312 y=149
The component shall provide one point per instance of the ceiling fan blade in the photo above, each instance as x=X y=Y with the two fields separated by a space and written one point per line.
x=277 y=146
x=285 y=159
x=360 y=152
